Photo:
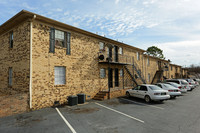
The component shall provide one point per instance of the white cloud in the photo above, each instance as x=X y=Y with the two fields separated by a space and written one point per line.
x=25 y=5
x=117 y=1
x=182 y=53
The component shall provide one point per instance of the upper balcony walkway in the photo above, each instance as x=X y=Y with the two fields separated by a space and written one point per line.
x=115 y=58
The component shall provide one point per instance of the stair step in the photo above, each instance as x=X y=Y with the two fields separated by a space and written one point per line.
x=96 y=98
x=101 y=95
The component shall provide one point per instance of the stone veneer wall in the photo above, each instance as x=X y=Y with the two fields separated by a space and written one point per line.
x=18 y=58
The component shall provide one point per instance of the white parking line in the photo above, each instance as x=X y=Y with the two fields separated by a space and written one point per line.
x=120 y=113
x=66 y=122
x=142 y=103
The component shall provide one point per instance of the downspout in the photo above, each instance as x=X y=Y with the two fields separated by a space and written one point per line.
x=30 y=83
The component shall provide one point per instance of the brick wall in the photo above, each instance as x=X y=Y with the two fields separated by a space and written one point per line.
x=82 y=67
x=14 y=99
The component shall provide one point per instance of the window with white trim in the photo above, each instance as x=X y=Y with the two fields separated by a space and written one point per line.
x=59 y=75
x=10 y=76
x=11 y=39
x=102 y=73
x=120 y=50
x=121 y=72
x=147 y=61
x=101 y=45
x=138 y=56
x=149 y=77
x=61 y=39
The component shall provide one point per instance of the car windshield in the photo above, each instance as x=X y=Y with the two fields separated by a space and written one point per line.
x=168 y=86
x=184 y=82
x=154 y=87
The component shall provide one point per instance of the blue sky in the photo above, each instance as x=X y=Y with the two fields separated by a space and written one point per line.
x=172 y=25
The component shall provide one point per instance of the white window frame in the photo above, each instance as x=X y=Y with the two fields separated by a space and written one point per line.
x=148 y=62
x=59 y=75
x=101 y=45
x=138 y=56
x=149 y=77
x=10 y=76
x=102 y=73
x=121 y=72
x=120 y=50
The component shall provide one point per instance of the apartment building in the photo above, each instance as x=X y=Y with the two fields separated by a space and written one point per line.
x=47 y=61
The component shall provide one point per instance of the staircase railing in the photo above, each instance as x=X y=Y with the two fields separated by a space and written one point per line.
x=136 y=67
x=158 y=75
x=131 y=75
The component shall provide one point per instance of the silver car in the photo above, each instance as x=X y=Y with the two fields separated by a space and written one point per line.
x=182 y=82
x=182 y=88
x=173 y=92
x=148 y=93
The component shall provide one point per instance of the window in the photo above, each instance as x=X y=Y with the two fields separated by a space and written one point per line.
x=137 y=87
x=11 y=39
x=102 y=73
x=120 y=50
x=138 y=56
x=149 y=77
x=60 y=75
x=10 y=76
x=159 y=85
x=172 y=76
x=121 y=72
x=101 y=45
x=171 y=68
x=148 y=61
x=59 y=38
x=143 y=88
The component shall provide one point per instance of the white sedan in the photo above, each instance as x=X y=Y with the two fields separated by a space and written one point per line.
x=173 y=92
x=148 y=93
x=182 y=88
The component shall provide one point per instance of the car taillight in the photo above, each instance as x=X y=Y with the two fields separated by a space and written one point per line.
x=171 y=90
x=179 y=87
x=190 y=83
x=156 y=93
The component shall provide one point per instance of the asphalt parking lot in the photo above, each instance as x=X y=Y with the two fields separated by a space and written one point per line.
x=120 y=115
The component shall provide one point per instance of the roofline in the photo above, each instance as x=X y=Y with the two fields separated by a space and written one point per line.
x=155 y=57
x=175 y=65
x=29 y=15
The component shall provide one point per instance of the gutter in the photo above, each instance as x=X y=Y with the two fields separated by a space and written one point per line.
x=30 y=83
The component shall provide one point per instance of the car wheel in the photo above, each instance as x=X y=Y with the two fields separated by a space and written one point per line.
x=172 y=97
x=147 y=99
x=161 y=101
x=128 y=94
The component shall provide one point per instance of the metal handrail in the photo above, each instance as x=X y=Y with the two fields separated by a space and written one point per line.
x=120 y=58
x=135 y=65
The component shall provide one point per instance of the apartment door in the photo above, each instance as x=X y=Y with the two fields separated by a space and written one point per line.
x=110 y=77
x=159 y=65
x=116 y=77
x=110 y=53
x=116 y=53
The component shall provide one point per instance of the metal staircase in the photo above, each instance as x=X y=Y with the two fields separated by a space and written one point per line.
x=141 y=76
x=131 y=75
x=157 y=77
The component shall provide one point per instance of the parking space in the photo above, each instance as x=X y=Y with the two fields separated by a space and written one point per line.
x=181 y=115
